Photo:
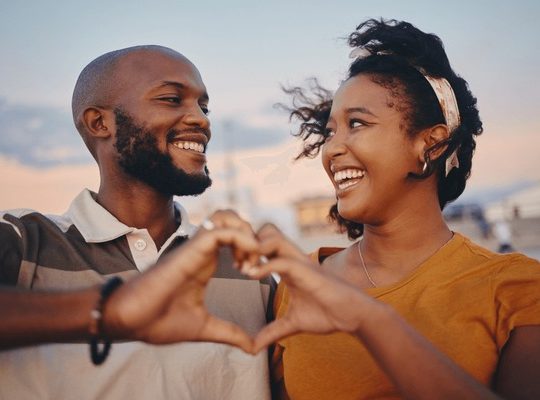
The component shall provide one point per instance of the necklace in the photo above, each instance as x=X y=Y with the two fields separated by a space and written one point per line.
x=368 y=276
x=370 y=279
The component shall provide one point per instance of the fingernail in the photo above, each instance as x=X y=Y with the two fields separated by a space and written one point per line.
x=263 y=259
x=252 y=271
x=246 y=266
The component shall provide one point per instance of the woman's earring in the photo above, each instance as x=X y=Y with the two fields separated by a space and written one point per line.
x=424 y=167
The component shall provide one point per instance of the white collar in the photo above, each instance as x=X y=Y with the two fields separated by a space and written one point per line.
x=98 y=225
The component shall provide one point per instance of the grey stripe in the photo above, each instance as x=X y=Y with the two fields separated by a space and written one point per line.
x=10 y=254
x=53 y=278
x=46 y=244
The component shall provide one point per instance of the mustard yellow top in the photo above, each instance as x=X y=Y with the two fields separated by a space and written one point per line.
x=465 y=299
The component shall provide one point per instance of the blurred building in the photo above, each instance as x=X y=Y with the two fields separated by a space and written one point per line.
x=520 y=213
x=312 y=215
x=314 y=226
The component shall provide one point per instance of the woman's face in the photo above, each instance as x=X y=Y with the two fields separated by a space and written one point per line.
x=369 y=155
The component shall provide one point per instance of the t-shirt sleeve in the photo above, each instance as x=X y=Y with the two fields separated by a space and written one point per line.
x=516 y=290
x=10 y=253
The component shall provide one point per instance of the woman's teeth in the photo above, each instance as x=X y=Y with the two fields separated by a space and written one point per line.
x=199 y=148
x=348 y=177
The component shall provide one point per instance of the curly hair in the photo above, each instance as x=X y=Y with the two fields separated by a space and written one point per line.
x=398 y=56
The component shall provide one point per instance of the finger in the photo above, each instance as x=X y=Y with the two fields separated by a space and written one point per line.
x=271 y=333
x=230 y=219
x=219 y=331
x=209 y=241
x=289 y=270
x=198 y=255
x=301 y=276
x=245 y=254
x=273 y=243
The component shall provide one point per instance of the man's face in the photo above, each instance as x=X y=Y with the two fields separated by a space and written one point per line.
x=162 y=128
x=141 y=158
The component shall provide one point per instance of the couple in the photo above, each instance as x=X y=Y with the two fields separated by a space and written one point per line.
x=411 y=309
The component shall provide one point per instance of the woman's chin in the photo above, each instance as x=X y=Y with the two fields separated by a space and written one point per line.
x=352 y=214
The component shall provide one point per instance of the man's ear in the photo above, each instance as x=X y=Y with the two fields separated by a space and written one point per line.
x=99 y=122
x=429 y=138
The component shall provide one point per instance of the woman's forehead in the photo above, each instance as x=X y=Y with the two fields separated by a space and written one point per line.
x=362 y=92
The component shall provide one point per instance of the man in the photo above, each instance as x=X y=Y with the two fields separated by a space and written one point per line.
x=141 y=112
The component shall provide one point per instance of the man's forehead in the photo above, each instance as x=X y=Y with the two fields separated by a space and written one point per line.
x=154 y=68
x=151 y=61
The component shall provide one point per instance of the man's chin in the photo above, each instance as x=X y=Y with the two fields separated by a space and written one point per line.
x=192 y=185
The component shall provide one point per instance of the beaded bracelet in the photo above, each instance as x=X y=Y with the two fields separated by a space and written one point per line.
x=97 y=336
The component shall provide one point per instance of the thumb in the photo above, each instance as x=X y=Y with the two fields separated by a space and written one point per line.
x=220 y=331
x=273 y=332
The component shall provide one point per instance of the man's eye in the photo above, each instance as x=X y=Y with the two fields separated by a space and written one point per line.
x=171 y=99
x=205 y=109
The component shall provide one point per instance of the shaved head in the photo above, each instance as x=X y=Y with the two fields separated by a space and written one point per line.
x=100 y=81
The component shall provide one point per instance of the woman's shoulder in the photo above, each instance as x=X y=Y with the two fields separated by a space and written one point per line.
x=502 y=258
x=509 y=264
x=323 y=253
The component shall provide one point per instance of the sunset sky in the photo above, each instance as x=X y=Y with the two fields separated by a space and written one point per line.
x=245 y=51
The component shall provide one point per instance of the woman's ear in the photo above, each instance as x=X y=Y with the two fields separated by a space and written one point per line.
x=429 y=139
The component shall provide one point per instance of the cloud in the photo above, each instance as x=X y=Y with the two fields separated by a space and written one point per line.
x=45 y=136
x=40 y=136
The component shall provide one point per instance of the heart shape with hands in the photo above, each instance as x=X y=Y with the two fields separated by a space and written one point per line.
x=166 y=303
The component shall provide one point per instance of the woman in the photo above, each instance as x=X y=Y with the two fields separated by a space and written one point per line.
x=424 y=312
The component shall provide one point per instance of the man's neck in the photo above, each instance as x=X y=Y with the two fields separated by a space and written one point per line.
x=140 y=206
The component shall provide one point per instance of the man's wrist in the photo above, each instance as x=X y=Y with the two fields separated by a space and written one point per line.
x=100 y=343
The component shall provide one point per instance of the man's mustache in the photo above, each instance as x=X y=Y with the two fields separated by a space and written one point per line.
x=173 y=133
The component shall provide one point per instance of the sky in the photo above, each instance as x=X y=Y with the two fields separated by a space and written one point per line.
x=246 y=51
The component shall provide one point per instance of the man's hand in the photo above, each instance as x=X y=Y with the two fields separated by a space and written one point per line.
x=166 y=303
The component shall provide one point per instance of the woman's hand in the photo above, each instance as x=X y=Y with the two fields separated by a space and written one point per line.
x=318 y=302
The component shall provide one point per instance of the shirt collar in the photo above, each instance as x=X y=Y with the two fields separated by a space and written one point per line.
x=98 y=225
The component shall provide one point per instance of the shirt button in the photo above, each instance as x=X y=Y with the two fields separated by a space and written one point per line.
x=140 y=245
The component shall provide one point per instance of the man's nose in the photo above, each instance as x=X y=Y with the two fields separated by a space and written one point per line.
x=196 y=117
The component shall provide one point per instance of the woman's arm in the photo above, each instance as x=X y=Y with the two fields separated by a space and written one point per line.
x=320 y=303
x=518 y=374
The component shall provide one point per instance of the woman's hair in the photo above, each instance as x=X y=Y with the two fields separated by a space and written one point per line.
x=396 y=55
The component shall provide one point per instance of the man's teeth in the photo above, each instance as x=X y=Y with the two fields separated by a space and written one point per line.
x=341 y=176
x=190 y=146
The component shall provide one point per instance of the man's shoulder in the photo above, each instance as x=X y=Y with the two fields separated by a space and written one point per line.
x=23 y=217
x=17 y=212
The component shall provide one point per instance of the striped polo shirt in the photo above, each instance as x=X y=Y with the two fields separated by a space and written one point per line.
x=86 y=246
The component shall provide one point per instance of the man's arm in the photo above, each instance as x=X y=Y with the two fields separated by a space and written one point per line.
x=39 y=317
x=162 y=305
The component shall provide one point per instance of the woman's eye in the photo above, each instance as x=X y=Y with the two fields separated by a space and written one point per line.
x=356 y=123
x=328 y=133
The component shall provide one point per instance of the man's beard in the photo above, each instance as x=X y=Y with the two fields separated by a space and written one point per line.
x=140 y=157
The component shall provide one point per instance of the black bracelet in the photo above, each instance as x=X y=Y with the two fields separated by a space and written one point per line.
x=97 y=337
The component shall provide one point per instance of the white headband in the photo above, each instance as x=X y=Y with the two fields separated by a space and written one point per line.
x=447 y=101
x=445 y=96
